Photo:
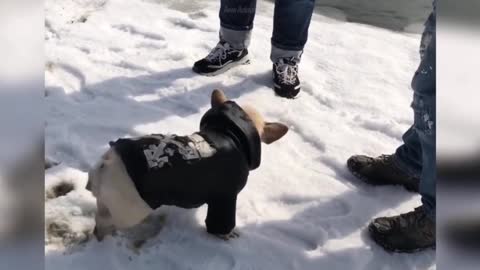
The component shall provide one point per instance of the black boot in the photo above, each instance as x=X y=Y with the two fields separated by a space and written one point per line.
x=409 y=232
x=222 y=58
x=381 y=171
x=285 y=77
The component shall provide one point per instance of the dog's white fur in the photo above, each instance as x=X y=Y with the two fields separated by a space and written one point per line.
x=119 y=205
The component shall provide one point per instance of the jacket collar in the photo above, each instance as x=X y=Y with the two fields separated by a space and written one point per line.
x=231 y=118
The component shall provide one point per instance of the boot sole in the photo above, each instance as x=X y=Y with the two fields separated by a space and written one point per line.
x=289 y=96
x=244 y=61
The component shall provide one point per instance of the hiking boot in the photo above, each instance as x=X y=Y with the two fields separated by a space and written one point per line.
x=285 y=77
x=409 y=232
x=222 y=58
x=381 y=171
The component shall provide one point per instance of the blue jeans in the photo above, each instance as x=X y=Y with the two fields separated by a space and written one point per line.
x=291 y=21
x=417 y=155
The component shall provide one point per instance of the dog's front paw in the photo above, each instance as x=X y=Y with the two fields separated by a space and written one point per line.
x=232 y=235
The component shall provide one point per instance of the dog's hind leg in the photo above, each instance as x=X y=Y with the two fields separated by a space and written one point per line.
x=119 y=194
x=103 y=222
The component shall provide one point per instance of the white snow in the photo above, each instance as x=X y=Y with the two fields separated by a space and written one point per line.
x=119 y=68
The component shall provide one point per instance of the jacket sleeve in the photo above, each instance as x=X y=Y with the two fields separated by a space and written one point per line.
x=221 y=214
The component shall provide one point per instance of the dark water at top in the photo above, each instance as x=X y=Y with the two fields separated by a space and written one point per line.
x=395 y=15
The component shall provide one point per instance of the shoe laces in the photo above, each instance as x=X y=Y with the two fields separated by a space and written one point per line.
x=385 y=159
x=287 y=70
x=219 y=52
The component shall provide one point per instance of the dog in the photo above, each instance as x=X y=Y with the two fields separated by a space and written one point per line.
x=137 y=175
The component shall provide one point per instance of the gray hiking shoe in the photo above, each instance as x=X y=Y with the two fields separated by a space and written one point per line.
x=409 y=232
x=381 y=171
x=220 y=59
x=285 y=78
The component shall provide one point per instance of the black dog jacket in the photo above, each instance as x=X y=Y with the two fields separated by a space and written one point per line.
x=210 y=166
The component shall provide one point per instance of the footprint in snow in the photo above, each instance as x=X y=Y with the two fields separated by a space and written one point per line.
x=296 y=234
x=319 y=207
x=197 y=15
x=326 y=209
x=190 y=24
x=153 y=46
x=132 y=30
x=318 y=96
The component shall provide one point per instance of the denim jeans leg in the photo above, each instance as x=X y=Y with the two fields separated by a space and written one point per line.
x=236 y=22
x=425 y=110
x=291 y=21
x=424 y=86
x=408 y=156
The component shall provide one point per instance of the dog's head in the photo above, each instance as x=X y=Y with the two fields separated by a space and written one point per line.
x=268 y=131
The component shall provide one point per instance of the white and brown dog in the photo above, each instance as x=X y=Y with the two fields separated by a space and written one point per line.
x=137 y=175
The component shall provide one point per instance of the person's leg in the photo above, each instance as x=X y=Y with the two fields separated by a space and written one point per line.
x=427 y=137
x=236 y=22
x=416 y=230
x=408 y=156
x=402 y=168
x=290 y=32
x=424 y=85
x=290 y=28
x=407 y=163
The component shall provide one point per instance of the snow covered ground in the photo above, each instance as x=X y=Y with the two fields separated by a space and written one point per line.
x=118 y=68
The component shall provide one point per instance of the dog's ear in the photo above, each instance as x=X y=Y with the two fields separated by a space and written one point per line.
x=218 y=98
x=273 y=132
